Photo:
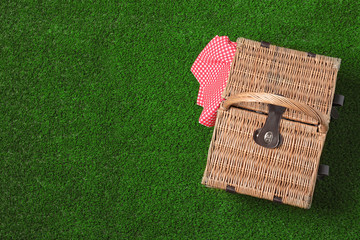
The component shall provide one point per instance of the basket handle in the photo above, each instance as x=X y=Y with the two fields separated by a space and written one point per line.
x=279 y=101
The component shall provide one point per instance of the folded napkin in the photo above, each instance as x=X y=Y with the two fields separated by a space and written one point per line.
x=211 y=68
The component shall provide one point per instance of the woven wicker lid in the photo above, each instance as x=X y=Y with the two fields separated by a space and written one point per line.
x=305 y=77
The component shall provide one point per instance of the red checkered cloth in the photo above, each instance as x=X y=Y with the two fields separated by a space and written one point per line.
x=211 y=68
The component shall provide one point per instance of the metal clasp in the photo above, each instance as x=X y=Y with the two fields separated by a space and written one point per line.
x=269 y=136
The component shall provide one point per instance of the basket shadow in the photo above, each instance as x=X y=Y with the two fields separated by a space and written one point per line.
x=336 y=194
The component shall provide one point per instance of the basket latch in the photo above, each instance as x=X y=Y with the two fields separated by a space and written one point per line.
x=269 y=135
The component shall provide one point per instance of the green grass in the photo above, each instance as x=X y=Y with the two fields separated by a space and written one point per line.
x=99 y=123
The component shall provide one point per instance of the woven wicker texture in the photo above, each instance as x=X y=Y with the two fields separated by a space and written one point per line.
x=288 y=172
x=288 y=103
x=260 y=74
x=287 y=72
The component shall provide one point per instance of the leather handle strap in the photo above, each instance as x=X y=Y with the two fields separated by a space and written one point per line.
x=274 y=99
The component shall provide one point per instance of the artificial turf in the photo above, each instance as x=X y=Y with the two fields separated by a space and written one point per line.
x=99 y=123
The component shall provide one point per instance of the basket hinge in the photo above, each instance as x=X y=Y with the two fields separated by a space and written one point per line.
x=265 y=44
x=310 y=54
x=323 y=171
x=277 y=199
x=338 y=100
x=230 y=189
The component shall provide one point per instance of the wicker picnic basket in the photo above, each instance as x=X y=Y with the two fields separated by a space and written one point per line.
x=271 y=128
